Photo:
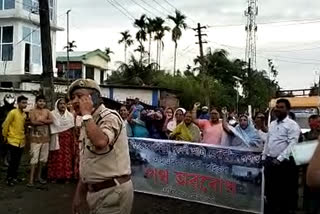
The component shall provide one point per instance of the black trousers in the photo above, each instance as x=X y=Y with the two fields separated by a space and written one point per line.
x=14 y=162
x=281 y=187
x=3 y=150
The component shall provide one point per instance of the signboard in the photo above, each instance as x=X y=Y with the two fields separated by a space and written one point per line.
x=218 y=176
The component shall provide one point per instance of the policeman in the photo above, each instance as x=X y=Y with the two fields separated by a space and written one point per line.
x=105 y=184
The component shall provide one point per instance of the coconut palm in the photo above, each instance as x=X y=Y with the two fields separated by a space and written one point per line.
x=179 y=21
x=135 y=72
x=141 y=50
x=150 y=31
x=107 y=52
x=141 y=35
x=127 y=41
x=160 y=32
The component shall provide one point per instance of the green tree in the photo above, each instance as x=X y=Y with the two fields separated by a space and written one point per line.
x=127 y=41
x=141 y=50
x=107 y=52
x=180 y=23
x=136 y=72
x=150 y=31
x=141 y=35
x=160 y=30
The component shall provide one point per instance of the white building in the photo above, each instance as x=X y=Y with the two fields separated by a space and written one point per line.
x=83 y=64
x=20 y=44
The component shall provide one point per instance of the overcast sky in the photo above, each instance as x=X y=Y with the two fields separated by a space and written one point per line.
x=294 y=46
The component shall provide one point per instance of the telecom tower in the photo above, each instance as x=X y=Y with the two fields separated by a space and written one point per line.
x=251 y=29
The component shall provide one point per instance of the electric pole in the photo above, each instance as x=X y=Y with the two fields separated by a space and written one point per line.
x=202 y=61
x=199 y=35
x=68 y=47
x=47 y=86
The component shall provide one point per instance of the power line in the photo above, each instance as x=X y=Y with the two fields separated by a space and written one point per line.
x=171 y=5
x=127 y=13
x=293 y=50
x=135 y=2
x=273 y=56
x=155 y=9
x=169 y=12
x=300 y=22
x=295 y=46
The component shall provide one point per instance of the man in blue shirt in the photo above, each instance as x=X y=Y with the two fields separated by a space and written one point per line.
x=204 y=113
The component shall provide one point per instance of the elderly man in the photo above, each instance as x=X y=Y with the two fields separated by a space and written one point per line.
x=105 y=183
x=280 y=170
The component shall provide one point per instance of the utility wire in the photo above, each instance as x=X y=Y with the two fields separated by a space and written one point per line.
x=171 y=5
x=299 y=22
x=155 y=9
x=169 y=12
x=141 y=6
x=317 y=62
x=127 y=13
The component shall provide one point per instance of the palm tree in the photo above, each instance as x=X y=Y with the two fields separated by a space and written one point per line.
x=127 y=40
x=141 y=35
x=142 y=51
x=150 y=31
x=135 y=72
x=179 y=21
x=107 y=52
x=160 y=32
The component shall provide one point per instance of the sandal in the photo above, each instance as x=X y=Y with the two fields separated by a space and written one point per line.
x=41 y=181
x=30 y=185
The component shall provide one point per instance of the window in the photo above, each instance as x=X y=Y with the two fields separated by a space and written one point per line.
x=33 y=7
x=89 y=72
x=7 y=4
x=32 y=37
x=6 y=43
x=102 y=76
x=74 y=74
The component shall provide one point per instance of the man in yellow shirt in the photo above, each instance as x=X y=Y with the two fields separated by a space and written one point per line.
x=14 y=135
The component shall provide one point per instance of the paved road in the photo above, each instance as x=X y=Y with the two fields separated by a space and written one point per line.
x=56 y=199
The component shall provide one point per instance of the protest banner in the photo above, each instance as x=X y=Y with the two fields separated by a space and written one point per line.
x=218 y=176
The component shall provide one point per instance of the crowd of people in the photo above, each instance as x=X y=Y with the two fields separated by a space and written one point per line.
x=194 y=126
x=216 y=127
x=50 y=138
x=53 y=139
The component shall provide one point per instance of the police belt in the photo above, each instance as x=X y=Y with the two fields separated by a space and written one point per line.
x=108 y=183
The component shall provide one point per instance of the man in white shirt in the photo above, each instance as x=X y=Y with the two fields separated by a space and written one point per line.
x=280 y=170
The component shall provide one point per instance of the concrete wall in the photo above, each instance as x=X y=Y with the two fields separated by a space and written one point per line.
x=97 y=75
x=96 y=61
x=105 y=92
x=148 y=96
x=29 y=86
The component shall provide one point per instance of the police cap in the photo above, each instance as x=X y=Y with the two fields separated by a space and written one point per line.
x=83 y=84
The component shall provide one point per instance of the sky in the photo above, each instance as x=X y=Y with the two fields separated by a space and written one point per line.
x=288 y=32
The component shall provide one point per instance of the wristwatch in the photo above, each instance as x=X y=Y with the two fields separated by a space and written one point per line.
x=86 y=117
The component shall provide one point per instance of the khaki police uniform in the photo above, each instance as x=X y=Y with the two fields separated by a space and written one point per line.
x=106 y=172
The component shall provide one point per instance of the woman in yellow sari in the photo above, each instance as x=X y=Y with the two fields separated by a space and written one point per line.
x=187 y=130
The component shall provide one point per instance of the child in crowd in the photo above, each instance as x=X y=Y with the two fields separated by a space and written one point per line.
x=40 y=119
